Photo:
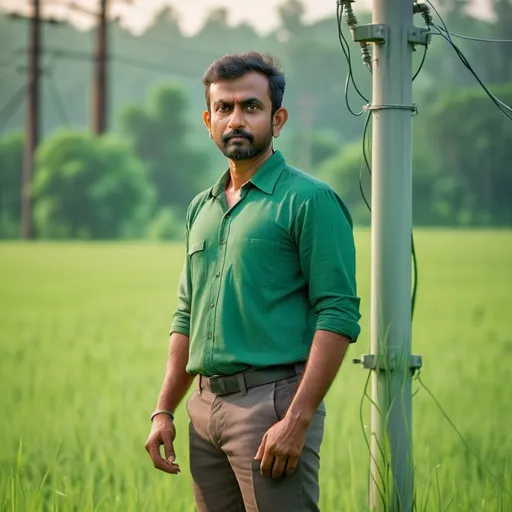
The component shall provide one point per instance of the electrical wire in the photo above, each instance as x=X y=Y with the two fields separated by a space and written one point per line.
x=445 y=34
x=361 y=421
x=57 y=100
x=413 y=248
x=346 y=50
x=438 y=15
x=499 y=103
x=366 y=161
x=421 y=63
x=121 y=59
x=12 y=106
x=477 y=39
x=151 y=66
x=457 y=431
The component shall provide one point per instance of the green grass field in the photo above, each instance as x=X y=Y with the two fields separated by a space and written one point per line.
x=83 y=343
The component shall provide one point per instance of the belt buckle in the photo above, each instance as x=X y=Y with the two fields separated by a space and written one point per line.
x=217 y=385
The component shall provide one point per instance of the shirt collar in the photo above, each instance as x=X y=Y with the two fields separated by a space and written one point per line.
x=220 y=185
x=265 y=178
x=267 y=175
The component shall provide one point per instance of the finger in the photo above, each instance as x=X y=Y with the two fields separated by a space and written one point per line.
x=160 y=463
x=170 y=455
x=261 y=449
x=278 y=467
x=291 y=465
x=266 y=464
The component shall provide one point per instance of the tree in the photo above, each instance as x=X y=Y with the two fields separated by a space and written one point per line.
x=500 y=57
x=11 y=159
x=159 y=135
x=321 y=145
x=87 y=187
x=347 y=173
x=291 y=14
x=341 y=171
x=472 y=142
x=166 y=26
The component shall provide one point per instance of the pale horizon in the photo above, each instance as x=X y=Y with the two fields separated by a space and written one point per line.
x=137 y=15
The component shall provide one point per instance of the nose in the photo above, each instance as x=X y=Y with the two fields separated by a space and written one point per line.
x=237 y=119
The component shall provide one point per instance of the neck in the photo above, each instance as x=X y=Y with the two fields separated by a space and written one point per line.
x=241 y=171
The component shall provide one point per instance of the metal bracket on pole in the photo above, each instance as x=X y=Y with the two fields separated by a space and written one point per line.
x=378 y=33
x=413 y=107
x=374 y=362
x=417 y=35
x=373 y=33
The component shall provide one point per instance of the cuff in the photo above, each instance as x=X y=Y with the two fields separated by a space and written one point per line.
x=180 y=328
x=344 y=327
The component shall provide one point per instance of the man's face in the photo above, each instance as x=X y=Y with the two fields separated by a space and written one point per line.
x=240 y=117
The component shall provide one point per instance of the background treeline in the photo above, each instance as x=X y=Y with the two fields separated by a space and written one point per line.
x=136 y=181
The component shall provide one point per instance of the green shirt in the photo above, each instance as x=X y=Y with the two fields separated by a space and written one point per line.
x=260 y=278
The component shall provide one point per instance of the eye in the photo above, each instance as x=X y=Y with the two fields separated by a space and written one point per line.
x=222 y=108
x=252 y=107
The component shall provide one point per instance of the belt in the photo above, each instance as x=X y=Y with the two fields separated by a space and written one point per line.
x=240 y=382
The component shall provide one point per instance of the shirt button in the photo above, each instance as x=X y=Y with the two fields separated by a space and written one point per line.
x=209 y=335
x=212 y=306
x=228 y=215
x=217 y=274
x=223 y=241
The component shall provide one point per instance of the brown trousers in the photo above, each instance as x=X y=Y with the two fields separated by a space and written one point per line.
x=225 y=433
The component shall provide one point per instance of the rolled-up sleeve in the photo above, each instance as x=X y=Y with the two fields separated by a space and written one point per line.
x=181 y=318
x=323 y=234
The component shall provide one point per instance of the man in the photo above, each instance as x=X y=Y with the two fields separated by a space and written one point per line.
x=268 y=283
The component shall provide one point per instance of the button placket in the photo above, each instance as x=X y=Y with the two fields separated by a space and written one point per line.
x=216 y=284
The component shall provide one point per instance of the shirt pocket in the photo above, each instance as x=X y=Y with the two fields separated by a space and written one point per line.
x=198 y=262
x=257 y=262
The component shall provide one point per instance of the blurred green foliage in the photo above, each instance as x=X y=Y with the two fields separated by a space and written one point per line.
x=11 y=158
x=461 y=164
x=88 y=187
x=159 y=136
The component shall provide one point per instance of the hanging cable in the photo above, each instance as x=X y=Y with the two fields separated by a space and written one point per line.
x=12 y=106
x=477 y=39
x=57 y=101
x=457 y=431
x=445 y=34
x=421 y=63
x=352 y=21
x=346 y=50
x=54 y=94
x=366 y=162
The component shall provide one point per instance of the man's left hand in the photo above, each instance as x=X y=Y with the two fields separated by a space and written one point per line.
x=281 y=447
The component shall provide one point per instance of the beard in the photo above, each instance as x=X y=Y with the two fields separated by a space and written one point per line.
x=246 y=149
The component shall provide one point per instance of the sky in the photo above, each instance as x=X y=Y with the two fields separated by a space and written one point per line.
x=136 y=15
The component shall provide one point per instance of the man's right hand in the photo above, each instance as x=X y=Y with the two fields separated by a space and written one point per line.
x=162 y=432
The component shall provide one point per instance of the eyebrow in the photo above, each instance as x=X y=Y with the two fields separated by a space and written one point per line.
x=244 y=102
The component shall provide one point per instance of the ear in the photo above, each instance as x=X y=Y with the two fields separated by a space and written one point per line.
x=279 y=120
x=206 y=120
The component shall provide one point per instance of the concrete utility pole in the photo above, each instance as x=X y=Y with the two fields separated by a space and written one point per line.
x=392 y=467
x=32 y=122
x=99 y=100
x=391 y=442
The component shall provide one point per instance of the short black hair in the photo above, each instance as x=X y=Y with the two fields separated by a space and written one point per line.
x=231 y=67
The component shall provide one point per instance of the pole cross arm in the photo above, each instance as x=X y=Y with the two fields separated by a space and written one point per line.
x=378 y=33
x=389 y=363
x=417 y=35
x=372 y=33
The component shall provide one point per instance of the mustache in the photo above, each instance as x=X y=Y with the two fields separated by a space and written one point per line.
x=237 y=133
